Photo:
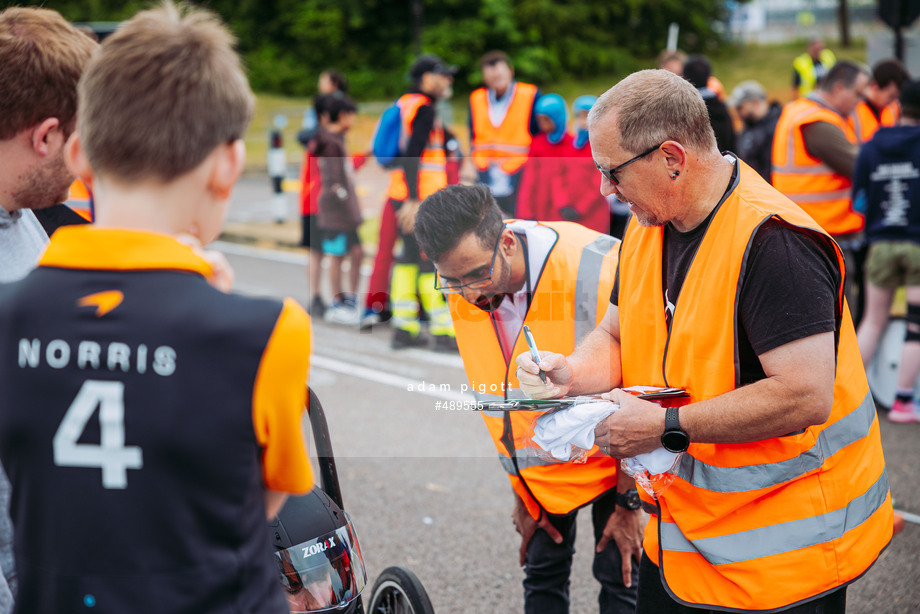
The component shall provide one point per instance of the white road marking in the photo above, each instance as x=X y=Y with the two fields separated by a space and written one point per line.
x=389 y=379
x=278 y=255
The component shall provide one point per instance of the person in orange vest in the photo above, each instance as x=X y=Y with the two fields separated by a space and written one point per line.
x=880 y=106
x=502 y=122
x=728 y=289
x=553 y=277
x=421 y=172
x=814 y=152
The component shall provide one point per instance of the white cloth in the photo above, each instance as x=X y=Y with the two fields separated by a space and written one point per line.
x=558 y=431
x=657 y=461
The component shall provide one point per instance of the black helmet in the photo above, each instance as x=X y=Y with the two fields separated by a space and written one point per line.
x=319 y=559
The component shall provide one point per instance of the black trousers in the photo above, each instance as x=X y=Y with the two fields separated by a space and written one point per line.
x=548 y=565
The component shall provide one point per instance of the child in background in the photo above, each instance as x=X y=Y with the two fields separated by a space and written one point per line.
x=584 y=180
x=339 y=210
x=544 y=194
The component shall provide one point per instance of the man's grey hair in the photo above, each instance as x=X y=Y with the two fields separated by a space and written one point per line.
x=844 y=72
x=654 y=106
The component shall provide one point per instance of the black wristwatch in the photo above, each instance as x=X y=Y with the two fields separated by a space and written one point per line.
x=674 y=439
x=629 y=499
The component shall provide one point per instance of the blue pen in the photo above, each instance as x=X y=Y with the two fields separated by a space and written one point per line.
x=533 y=350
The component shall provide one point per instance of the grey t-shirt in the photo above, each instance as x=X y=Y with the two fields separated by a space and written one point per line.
x=22 y=242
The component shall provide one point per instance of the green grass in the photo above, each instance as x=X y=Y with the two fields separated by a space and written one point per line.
x=769 y=64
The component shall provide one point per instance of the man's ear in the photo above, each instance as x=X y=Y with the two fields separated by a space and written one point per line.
x=508 y=242
x=227 y=169
x=47 y=137
x=77 y=162
x=674 y=155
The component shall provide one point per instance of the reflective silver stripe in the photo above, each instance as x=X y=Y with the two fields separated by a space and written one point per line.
x=813 y=197
x=526 y=458
x=431 y=166
x=518 y=149
x=849 y=429
x=793 y=169
x=586 y=285
x=781 y=537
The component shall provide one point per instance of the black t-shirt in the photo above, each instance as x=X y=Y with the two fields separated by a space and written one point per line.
x=788 y=292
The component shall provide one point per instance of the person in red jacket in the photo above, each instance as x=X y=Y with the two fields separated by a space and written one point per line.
x=543 y=193
x=584 y=188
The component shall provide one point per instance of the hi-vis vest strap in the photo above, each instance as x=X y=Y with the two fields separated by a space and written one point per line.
x=763 y=525
x=432 y=171
x=866 y=124
x=571 y=295
x=508 y=143
x=805 y=66
x=806 y=180
x=80 y=200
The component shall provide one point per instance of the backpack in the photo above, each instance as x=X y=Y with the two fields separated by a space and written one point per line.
x=385 y=142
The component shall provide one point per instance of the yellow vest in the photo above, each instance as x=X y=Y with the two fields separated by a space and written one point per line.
x=767 y=524
x=805 y=66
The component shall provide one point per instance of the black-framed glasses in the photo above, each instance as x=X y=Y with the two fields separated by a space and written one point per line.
x=451 y=286
x=611 y=173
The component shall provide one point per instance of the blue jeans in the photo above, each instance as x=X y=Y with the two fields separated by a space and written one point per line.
x=548 y=565
x=653 y=599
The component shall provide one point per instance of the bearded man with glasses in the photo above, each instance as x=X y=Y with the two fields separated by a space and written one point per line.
x=553 y=277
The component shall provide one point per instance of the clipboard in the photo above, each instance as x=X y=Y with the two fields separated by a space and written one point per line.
x=647 y=393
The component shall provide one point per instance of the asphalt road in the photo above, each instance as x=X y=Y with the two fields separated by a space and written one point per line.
x=425 y=490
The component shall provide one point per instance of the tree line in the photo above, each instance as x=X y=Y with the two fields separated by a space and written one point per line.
x=286 y=43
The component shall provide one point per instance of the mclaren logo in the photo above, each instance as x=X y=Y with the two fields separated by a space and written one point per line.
x=104 y=302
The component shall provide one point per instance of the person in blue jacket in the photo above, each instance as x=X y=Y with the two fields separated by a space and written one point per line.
x=886 y=188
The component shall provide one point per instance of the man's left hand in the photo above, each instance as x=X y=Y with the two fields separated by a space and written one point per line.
x=625 y=528
x=634 y=428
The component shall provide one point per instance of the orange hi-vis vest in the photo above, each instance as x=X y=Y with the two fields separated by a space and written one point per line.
x=80 y=200
x=571 y=295
x=508 y=143
x=866 y=124
x=806 y=180
x=767 y=524
x=432 y=170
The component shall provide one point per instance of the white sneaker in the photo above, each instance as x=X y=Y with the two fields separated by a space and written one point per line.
x=341 y=313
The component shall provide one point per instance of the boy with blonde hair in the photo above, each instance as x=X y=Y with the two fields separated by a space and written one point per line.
x=158 y=501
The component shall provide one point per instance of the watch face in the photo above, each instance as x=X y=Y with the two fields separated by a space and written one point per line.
x=632 y=500
x=675 y=441
x=629 y=499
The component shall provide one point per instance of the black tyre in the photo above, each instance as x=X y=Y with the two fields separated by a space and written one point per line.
x=398 y=591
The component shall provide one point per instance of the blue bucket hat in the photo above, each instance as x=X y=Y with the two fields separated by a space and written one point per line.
x=583 y=103
x=553 y=106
